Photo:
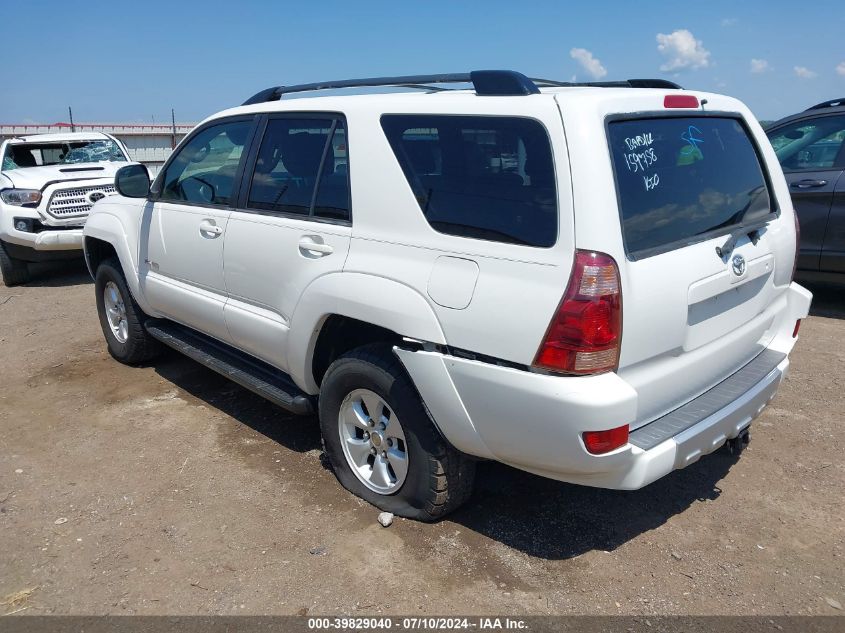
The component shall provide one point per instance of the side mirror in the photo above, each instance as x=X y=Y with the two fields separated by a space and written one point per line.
x=132 y=181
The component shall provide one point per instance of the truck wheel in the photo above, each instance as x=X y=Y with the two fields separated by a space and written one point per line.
x=381 y=442
x=121 y=319
x=15 y=271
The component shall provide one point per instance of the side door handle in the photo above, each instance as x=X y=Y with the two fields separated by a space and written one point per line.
x=308 y=246
x=209 y=229
x=808 y=183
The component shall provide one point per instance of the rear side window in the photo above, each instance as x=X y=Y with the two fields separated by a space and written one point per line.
x=489 y=178
x=681 y=178
x=302 y=169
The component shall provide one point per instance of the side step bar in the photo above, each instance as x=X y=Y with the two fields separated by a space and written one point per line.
x=248 y=372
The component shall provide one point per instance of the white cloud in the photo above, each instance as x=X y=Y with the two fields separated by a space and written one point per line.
x=729 y=22
x=759 y=66
x=682 y=51
x=840 y=69
x=589 y=63
x=805 y=73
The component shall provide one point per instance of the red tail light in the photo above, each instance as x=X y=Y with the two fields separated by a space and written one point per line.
x=586 y=330
x=797 y=327
x=600 y=442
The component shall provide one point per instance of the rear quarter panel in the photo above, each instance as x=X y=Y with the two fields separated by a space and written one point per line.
x=507 y=312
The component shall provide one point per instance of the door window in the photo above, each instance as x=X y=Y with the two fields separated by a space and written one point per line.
x=809 y=145
x=203 y=172
x=302 y=169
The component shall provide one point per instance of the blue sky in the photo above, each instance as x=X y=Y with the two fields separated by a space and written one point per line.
x=133 y=61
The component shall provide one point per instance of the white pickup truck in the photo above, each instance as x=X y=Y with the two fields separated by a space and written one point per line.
x=588 y=282
x=48 y=184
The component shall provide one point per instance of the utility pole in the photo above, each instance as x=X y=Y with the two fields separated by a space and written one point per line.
x=70 y=114
x=173 y=129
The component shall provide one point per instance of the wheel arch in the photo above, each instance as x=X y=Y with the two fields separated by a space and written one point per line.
x=105 y=236
x=367 y=308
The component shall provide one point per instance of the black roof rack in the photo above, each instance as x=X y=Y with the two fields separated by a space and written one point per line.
x=624 y=83
x=827 y=104
x=485 y=82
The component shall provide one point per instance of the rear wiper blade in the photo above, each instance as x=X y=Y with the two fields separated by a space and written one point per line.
x=752 y=230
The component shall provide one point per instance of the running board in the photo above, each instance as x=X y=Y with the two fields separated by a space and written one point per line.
x=251 y=373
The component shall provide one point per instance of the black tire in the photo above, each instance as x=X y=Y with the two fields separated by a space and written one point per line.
x=139 y=346
x=439 y=478
x=15 y=271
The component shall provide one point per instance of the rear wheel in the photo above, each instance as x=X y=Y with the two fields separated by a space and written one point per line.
x=121 y=320
x=381 y=442
x=15 y=271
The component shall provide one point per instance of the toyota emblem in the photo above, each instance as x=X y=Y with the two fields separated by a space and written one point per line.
x=95 y=195
x=738 y=265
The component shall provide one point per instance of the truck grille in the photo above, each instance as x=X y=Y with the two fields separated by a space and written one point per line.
x=68 y=203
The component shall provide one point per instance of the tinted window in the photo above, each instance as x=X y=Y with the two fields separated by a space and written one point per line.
x=333 y=193
x=809 y=145
x=204 y=169
x=490 y=178
x=288 y=169
x=679 y=178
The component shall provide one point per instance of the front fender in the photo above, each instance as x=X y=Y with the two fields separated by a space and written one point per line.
x=375 y=300
x=109 y=227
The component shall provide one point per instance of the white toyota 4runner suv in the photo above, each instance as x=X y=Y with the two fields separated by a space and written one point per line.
x=592 y=283
x=48 y=183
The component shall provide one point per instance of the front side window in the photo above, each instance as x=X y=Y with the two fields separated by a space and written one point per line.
x=681 y=178
x=204 y=170
x=488 y=178
x=301 y=168
x=19 y=155
x=809 y=145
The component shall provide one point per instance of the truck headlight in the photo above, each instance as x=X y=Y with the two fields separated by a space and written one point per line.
x=21 y=197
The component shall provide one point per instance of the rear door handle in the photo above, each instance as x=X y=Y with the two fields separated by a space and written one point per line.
x=308 y=244
x=209 y=229
x=808 y=183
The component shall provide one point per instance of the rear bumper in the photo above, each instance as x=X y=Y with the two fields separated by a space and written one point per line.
x=535 y=422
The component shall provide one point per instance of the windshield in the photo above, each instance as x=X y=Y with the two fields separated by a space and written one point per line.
x=682 y=178
x=61 y=153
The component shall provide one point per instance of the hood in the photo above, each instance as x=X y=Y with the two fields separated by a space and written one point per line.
x=40 y=177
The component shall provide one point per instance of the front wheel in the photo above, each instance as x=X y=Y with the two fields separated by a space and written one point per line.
x=381 y=442
x=121 y=320
x=15 y=271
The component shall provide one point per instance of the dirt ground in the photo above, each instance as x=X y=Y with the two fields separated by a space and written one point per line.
x=166 y=489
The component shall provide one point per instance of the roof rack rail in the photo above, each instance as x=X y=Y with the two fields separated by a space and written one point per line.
x=485 y=83
x=827 y=104
x=624 y=83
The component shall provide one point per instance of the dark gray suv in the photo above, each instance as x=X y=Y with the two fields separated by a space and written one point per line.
x=811 y=149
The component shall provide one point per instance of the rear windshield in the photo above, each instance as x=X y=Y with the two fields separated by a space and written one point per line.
x=681 y=178
x=488 y=178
